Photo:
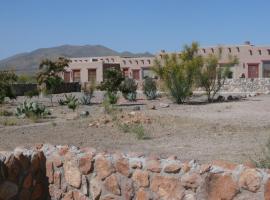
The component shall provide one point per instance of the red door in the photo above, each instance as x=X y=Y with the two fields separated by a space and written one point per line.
x=253 y=71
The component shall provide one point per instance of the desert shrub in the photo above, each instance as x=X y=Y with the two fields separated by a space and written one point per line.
x=73 y=104
x=10 y=122
x=26 y=79
x=6 y=113
x=129 y=89
x=137 y=129
x=112 y=80
x=178 y=72
x=31 y=110
x=32 y=93
x=67 y=98
x=150 y=88
x=88 y=94
x=7 y=78
x=263 y=160
x=111 y=97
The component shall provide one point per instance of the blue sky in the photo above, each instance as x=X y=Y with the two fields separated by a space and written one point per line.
x=133 y=25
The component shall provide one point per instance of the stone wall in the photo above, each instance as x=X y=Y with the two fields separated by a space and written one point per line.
x=242 y=85
x=69 y=173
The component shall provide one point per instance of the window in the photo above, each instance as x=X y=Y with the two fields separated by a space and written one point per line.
x=250 y=52
x=67 y=77
x=124 y=62
x=125 y=72
x=268 y=51
x=149 y=62
x=212 y=49
x=142 y=62
x=204 y=51
x=230 y=50
x=238 y=49
x=76 y=75
x=147 y=73
x=92 y=75
x=137 y=62
x=94 y=59
x=112 y=59
x=75 y=60
x=130 y=61
x=260 y=52
x=136 y=74
x=266 y=69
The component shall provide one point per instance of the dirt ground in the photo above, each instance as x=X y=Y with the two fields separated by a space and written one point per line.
x=234 y=131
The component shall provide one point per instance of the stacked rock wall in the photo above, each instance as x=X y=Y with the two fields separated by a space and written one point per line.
x=243 y=85
x=68 y=173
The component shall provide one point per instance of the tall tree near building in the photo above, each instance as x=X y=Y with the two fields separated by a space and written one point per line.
x=212 y=76
x=48 y=77
x=178 y=71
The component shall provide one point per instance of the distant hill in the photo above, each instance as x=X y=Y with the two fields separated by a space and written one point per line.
x=27 y=63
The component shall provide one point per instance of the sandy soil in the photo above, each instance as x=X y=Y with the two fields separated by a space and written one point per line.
x=234 y=131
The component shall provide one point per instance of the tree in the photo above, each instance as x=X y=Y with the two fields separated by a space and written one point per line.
x=178 y=71
x=212 y=76
x=7 y=78
x=111 y=84
x=48 y=77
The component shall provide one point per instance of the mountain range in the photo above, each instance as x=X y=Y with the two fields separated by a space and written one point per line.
x=27 y=63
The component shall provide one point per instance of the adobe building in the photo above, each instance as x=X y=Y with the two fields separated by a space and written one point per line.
x=254 y=62
x=91 y=69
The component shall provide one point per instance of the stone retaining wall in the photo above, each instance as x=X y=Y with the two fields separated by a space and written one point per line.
x=243 y=85
x=69 y=173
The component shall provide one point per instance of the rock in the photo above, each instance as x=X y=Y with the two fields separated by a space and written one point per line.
x=110 y=197
x=85 y=164
x=77 y=195
x=8 y=190
x=68 y=196
x=250 y=180
x=72 y=174
x=122 y=166
x=38 y=192
x=57 y=162
x=191 y=181
x=267 y=190
x=84 y=113
x=142 y=195
x=27 y=183
x=185 y=167
x=141 y=178
x=55 y=193
x=224 y=164
x=172 y=168
x=57 y=179
x=221 y=187
x=205 y=168
x=71 y=116
x=167 y=187
x=164 y=105
x=127 y=189
x=13 y=168
x=95 y=189
x=49 y=171
x=153 y=165
x=111 y=184
x=104 y=167
x=136 y=164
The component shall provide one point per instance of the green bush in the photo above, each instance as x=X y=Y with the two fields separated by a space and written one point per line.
x=129 y=89
x=111 y=97
x=178 y=72
x=7 y=78
x=73 y=104
x=88 y=94
x=112 y=80
x=150 y=88
x=137 y=129
x=31 y=109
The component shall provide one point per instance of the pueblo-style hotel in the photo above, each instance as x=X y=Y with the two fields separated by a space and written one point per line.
x=254 y=62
